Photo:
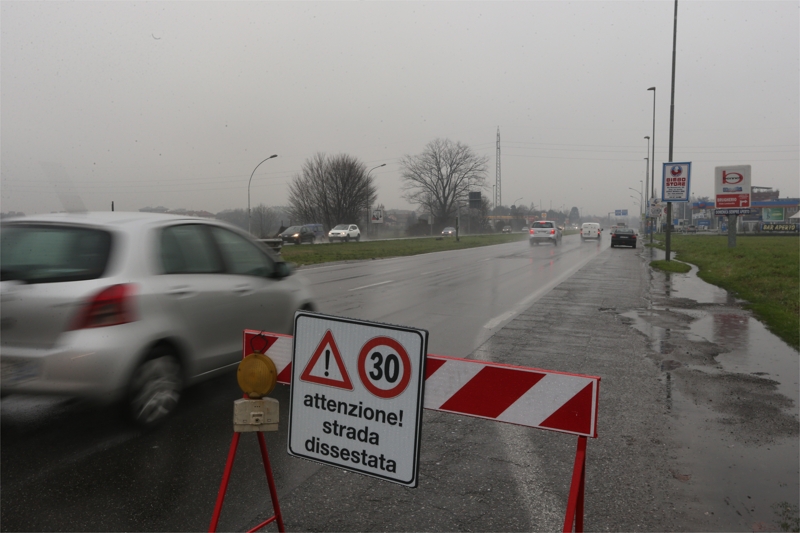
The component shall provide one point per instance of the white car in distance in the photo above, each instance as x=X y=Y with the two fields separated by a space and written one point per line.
x=345 y=233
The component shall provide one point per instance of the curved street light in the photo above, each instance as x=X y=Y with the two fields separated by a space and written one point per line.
x=248 y=191
x=369 y=207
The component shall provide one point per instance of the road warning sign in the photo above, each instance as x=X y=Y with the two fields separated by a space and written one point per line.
x=328 y=370
x=369 y=424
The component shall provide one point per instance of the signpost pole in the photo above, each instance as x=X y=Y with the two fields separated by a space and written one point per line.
x=732 y=231
x=669 y=226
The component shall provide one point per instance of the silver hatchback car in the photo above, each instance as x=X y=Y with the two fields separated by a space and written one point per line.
x=132 y=307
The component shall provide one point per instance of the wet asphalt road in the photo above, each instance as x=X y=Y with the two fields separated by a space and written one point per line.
x=579 y=307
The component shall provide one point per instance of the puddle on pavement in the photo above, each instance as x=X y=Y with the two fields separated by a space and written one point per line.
x=717 y=467
x=752 y=349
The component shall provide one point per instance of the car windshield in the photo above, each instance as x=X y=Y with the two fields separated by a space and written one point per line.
x=49 y=254
x=341 y=226
x=293 y=229
x=542 y=224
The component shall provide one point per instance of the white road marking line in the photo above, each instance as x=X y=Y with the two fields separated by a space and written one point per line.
x=373 y=285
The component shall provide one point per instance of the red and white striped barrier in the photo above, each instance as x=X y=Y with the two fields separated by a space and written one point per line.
x=518 y=395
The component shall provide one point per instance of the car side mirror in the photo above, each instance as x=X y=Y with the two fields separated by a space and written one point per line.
x=282 y=270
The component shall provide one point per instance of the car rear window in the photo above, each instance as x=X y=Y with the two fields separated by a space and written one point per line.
x=542 y=224
x=624 y=230
x=50 y=254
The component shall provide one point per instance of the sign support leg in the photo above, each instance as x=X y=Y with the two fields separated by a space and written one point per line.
x=270 y=480
x=224 y=485
x=576 y=490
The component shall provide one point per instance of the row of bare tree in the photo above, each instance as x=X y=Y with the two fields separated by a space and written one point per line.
x=337 y=189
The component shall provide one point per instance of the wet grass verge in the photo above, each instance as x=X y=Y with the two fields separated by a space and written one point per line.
x=671 y=266
x=765 y=271
x=323 y=253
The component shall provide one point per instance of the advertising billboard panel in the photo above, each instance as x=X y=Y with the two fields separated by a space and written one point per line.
x=732 y=186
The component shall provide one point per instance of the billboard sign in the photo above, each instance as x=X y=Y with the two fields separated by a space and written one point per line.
x=772 y=214
x=377 y=216
x=621 y=213
x=732 y=186
x=676 y=182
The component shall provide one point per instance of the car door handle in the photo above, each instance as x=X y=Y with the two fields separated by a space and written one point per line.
x=180 y=291
x=243 y=289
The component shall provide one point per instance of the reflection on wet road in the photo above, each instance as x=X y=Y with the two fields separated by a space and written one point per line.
x=460 y=297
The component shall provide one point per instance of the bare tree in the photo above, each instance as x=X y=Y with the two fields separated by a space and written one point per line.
x=331 y=190
x=442 y=175
x=264 y=220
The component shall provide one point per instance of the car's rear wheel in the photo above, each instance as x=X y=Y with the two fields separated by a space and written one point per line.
x=358 y=238
x=155 y=388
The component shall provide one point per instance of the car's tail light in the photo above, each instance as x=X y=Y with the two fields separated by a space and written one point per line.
x=552 y=232
x=530 y=231
x=110 y=307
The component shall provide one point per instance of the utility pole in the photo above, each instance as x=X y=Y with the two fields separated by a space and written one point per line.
x=497 y=194
x=671 y=123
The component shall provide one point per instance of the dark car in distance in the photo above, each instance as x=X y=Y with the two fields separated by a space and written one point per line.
x=623 y=237
x=298 y=235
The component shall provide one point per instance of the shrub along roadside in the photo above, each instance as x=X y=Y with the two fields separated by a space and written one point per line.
x=765 y=271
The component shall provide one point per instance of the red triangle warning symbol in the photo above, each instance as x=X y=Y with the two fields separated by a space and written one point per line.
x=324 y=369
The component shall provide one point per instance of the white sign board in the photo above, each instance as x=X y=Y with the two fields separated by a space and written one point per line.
x=656 y=208
x=357 y=395
x=676 y=181
x=732 y=186
x=377 y=216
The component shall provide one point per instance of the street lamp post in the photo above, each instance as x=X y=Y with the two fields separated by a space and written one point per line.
x=249 y=230
x=641 y=203
x=653 y=158
x=369 y=207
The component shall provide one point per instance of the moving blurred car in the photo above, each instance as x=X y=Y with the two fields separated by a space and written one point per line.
x=590 y=230
x=506 y=229
x=298 y=235
x=317 y=230
x=544 y=231
x=344 y=232
x=132 y=307
x=623 y=237
x=448 y=232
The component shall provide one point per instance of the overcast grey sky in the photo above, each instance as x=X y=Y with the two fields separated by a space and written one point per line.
x=175 y=103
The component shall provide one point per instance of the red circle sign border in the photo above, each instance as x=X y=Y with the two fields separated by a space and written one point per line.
x=362 y=370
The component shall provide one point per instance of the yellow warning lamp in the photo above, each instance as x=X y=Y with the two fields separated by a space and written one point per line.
x=257 y=375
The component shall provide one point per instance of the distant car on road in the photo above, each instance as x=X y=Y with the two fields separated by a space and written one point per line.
x=544 y=231
x=590 y=230
x=345 y=232
x=623 y=237
x=448 y=232
x=132 y=307
x=506 y=229
x=298 y=235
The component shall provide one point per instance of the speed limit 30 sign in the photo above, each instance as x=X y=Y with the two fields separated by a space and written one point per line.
x=357 y=395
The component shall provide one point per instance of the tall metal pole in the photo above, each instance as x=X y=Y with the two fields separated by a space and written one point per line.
x=647 y=187
x=498 y=195
x=672 y=120
x=249 y=230
x=653 y=160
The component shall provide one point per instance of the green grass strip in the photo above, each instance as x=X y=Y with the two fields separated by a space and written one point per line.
x=353 y=251
x=765 y=271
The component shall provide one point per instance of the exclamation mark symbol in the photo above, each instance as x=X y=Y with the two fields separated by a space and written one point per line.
x=401 y=418
x=328 y=362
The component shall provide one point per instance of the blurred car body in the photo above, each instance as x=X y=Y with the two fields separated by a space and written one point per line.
x=133 y=306
x=544 y=231
x=344 y=232
x=448 y=232
x=298 y=235
x=590 y=230
x=623 y=237
x=317 y=230
x=506 y=229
